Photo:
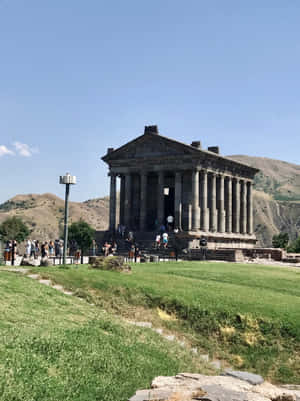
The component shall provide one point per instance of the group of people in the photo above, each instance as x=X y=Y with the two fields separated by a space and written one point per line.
x=109 y=248
x=45 y=249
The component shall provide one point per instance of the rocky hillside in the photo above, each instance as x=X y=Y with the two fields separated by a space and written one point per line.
x=44 y=214
x=277 y=178
x=276 y=199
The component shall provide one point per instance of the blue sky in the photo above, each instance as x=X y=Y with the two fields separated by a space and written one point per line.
x=80 y=76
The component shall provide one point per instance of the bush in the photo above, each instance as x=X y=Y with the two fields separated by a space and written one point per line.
x=294 y=246
x=115 y=263
x=280 y=240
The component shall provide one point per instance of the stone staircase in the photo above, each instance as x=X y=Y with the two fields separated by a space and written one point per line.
x=146 y=243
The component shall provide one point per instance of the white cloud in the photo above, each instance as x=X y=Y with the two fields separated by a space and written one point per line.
x=5 y=151
x=24 y=150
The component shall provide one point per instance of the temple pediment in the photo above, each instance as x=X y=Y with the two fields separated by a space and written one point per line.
x=150 y=146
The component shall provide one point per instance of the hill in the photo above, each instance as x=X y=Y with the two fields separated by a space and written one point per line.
x=44 y=214
x=276 y=199
x=277 y=178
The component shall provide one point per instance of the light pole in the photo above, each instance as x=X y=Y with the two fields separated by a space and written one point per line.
x=67 y=180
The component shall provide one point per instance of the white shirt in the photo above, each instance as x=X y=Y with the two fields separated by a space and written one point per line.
x=165 y=235
x=170 y=219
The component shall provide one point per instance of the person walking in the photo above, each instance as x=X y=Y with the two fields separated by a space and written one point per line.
x=157 y=241
x=165 y=237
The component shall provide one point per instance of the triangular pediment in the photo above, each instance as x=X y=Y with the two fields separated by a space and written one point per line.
x=150 y=146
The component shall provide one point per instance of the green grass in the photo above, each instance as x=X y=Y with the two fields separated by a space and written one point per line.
x=56 y=347
x=248 y=315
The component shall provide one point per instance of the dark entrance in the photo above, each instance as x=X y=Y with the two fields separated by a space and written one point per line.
x=169 y=203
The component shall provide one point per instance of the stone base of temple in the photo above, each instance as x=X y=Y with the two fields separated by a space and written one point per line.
x=191 y=240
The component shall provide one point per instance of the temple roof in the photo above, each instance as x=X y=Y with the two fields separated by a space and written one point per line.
x=153 y=146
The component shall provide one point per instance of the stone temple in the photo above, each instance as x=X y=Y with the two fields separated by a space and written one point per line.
x=208 y=194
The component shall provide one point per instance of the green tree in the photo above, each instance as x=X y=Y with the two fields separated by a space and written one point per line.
x=280 y=240
x=294 y=246
x=14 y=228
x=83 y=234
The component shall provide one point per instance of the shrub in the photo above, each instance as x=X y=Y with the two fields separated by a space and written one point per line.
x=115 y=263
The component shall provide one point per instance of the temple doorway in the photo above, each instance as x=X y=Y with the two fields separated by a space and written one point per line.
x=169 y=203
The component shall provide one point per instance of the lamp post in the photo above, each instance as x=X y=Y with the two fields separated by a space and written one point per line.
x=67 y=180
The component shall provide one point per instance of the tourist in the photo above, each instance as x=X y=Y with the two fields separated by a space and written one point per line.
x=157 y=241
x=94 y=247
x=77 y=257
x=130 y=236
x=43 y=250
x=28 y=248
x=37 y=248
x=165 y=238
x=114 y=247
x=61 y=248
x=162 y=229
x=170 y=221
x=51 y=248
x=106 y=248
x=123 y=230
x=203 y=245
x=33 y=249
x=131 y=252
x=56 y=247
x=136 y=254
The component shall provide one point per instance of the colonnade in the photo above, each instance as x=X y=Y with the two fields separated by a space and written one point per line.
x=216 y=202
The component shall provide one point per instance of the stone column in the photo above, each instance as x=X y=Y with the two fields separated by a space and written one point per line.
x=160 y=198
x=229 y=205
x=221 y=205
x=127 y=203
x=143 y=200
x=195 y=201
x=244 y=207
x=213 y=204
x=178 y=200
x=249 y=209
x=237 y=206
x=122 y=198
x=203 y=205
x=112 y=202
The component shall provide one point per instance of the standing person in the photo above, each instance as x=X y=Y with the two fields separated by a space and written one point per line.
x=56 y=246
x=37 y=248
x=94 y=247
x=28 y=248
x=32 y=251
x=157 y=241
x=165 y=237
x=61 y=248
x=136 y=254
x=203 y=245
x=162 y=229
x=43 y=250
x=51 y=248
x=170 y=221
x=130 y=236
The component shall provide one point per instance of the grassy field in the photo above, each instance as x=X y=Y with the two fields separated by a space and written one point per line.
x=247 y=315
x=57 y=347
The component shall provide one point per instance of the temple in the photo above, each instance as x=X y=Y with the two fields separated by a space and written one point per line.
x=208 y=194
